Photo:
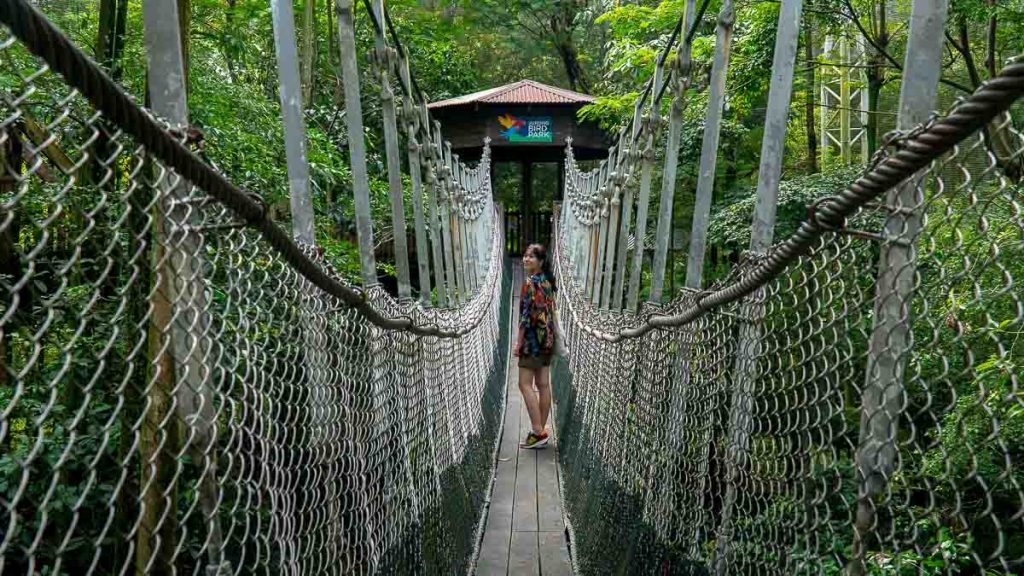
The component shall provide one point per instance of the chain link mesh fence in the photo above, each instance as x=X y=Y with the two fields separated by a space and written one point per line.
x=175 y=397
x=848 y=416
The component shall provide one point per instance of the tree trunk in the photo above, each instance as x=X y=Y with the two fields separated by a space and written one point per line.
x=229 y=27
x=876 y=75
x=135 y=329
x=308 y=64
x=561 y=26
x=159 y=435
x=10 y=258
x=998 y=135
x=990 y=52
x=573 y=71
x=809 y=77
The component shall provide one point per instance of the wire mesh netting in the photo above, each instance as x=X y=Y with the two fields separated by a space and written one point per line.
x=860 y=412
x=178 y=395
x=175 y=397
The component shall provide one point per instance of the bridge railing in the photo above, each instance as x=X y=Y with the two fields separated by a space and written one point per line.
x=845 y=400
x=185 y=387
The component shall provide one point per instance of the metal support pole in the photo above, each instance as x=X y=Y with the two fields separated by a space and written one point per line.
x=615 y=180
x=181 y=289
x=773 y=148
x=422 y=251
x=891 y=336
x=823 y=136
x=385 y=57
x=602 y=244
x=356 y=145
x=668 y=178
x=303 y=228
x=593 y=238
x=627 y=203
x=411 y=123
x=455 y=229
x=436 y=244
x=640 y=231
x=444 y=204
x=709 y=150
x=844 y=101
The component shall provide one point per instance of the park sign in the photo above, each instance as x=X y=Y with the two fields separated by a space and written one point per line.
x=522 y=129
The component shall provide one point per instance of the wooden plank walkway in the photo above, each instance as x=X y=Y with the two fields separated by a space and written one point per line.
x=524 y=534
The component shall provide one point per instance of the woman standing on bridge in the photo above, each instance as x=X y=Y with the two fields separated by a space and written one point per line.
x=536 y=341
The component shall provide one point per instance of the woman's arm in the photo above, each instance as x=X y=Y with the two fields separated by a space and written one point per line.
x=525 y=309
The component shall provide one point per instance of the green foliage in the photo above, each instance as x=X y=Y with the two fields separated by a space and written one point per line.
x=730 y=221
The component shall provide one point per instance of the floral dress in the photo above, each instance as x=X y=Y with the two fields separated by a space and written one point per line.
x=536 y=318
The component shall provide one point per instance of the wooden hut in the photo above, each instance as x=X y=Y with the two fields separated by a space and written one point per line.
x=527 y=122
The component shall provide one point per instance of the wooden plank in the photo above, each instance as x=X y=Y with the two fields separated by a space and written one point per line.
x=524 y=555
x=549 y=505
x=554 y=554
x=494 y=552
x=524 y=515
x=499 y=514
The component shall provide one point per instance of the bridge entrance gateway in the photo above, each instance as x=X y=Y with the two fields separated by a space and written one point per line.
x=188 y=386
x=528 y=125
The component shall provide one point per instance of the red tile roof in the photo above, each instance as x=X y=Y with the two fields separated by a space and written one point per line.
x=522 y=92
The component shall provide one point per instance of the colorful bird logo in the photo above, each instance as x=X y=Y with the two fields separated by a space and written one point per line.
x=512 y=125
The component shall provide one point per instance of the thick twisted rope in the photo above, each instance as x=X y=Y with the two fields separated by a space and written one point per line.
x=991 y=99
x=48 y=43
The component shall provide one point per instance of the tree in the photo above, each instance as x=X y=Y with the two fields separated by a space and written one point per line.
x=555 y=23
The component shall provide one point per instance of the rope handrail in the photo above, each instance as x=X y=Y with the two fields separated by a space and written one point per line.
x=46 y=41
x=928 y=142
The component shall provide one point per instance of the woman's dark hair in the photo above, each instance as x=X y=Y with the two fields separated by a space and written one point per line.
x=541 y=253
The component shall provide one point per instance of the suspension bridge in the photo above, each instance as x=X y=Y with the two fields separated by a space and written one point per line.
x=190 y=388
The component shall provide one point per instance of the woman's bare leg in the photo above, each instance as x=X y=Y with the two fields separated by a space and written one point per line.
x=526 y=378
x=544 y=395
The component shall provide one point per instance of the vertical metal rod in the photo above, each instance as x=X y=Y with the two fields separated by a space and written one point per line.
x=640 y=231
x=602 y=244
x=865 y=152
x=627 y=204
x=455 y=225
x=444 y=200
x=436 y=245
x=356 y=145
x=845 y=102
x=290 y=91
x=891 y=337
x=615 y=186
x=823 y=106
x=709 y=149
x=773 y=148
x=385 y=57
x=180 y=288
x=422 y=251
x=594 y=237
x=668 y=177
